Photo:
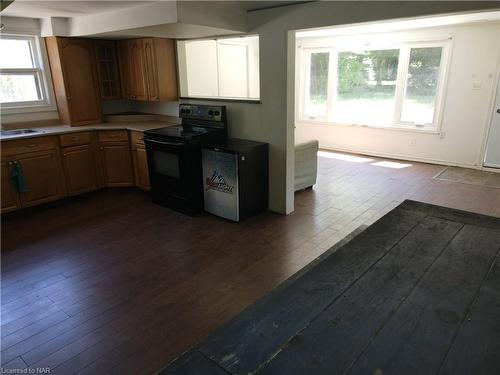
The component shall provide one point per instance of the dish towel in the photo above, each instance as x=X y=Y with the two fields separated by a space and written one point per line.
x=17 y=178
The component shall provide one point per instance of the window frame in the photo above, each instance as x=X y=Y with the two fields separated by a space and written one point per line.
x=40 y=72
x=404 y=45
x=182 y=70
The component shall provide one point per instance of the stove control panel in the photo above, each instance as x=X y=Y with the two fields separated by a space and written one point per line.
x=202 y=112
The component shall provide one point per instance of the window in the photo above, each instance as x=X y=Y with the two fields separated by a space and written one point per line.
x=22 y=81
x=384 y=85
x=225 y=68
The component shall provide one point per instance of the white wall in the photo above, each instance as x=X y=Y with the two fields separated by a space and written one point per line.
x=475 y=56
x=270 y=121
x=275 y=122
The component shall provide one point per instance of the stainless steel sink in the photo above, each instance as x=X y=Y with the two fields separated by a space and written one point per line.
x=6 y=133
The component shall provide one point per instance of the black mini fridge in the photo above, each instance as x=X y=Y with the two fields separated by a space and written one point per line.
x=235 y=178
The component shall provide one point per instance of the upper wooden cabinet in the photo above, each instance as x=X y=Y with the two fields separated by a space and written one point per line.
x=74 y=74
x=147 y=68
x=107 y=69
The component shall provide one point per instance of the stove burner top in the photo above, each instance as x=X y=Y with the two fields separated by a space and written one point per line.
x=181 y=131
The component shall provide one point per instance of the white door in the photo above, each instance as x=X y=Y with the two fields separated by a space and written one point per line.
x=492 y=156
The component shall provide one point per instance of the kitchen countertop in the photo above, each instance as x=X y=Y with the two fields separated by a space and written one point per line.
x=115 y=125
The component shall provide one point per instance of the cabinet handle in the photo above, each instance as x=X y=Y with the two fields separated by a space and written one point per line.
x=74 y=139
x=68 y=98
x=32 y=145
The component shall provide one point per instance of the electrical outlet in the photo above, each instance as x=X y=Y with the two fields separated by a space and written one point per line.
x=442 y=135
x=476 y=85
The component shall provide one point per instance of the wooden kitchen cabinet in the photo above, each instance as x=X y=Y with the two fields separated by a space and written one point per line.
x=9 y=194
x=107 y=69
x=79 y=169
x=43 y=176
x=75 y=78
x=116 y=162
x=147 y=68
x=133 y=70
x=140 y=160
x=141 y=168
x=40 y=164
x=71 y=164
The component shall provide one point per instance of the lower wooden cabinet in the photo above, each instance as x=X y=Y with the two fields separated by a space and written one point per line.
x=79 y=169
x=43 y=176
x=75 y=163
x=9 y=194
x=141 y=167
x=117 y=164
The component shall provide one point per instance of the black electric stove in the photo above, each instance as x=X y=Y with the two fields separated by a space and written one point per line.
x=174 y=156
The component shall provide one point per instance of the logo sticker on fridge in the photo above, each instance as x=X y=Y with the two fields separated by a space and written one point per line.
x=217 y=182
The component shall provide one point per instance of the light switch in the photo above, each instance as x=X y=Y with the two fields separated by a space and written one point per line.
x=476 y=85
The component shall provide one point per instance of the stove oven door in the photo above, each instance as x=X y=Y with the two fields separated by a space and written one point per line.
x=170 y=173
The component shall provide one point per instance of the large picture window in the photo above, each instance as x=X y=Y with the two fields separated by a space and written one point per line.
x=387 y=85
x=22 y=80
x=226 y=68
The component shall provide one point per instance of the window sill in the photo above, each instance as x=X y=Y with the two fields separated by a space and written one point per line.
x=27 y=109
x=252 y=101
x=433 y=131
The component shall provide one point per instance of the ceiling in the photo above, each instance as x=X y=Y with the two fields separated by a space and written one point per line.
x=73 y=8
x=68 y=8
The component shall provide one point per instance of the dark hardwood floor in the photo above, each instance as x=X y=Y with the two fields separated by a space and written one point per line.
x=110 y=283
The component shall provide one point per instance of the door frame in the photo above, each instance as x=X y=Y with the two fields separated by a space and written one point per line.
x=494 y=91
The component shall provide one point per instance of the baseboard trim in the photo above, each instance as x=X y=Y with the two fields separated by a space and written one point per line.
x=399 y=157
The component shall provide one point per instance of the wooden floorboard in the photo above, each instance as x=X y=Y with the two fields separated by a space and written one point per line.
x=421 y=331
x=141 y=284
x=337 y=336
x=244 y=345
x=477 y=345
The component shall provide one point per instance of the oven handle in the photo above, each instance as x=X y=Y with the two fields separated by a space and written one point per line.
x=165 y=143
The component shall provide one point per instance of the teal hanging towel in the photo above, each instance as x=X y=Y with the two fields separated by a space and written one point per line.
x=17 y=178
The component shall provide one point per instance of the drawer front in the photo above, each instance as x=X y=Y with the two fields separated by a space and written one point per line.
x=113 y=135
x=75 y=139
x=137 y=137
x=22 y=146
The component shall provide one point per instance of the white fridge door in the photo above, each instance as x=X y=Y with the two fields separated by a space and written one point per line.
x=220 y=183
